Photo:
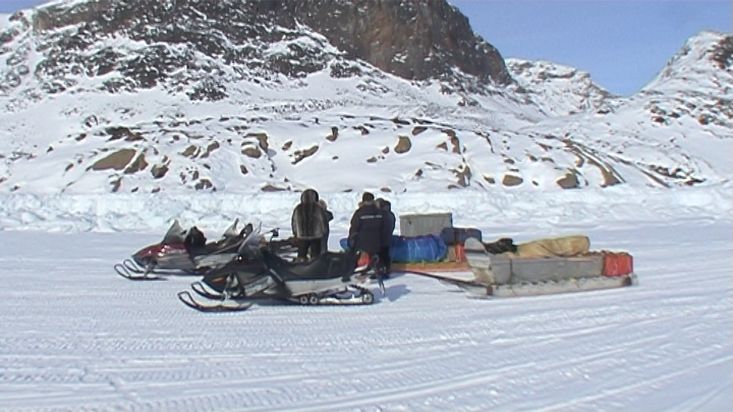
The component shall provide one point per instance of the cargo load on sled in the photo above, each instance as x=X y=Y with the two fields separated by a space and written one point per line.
x=545 y=266
x=429 y=245
x=428 y=242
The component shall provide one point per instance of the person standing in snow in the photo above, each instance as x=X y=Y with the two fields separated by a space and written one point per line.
x=388 y=225
x=309 y=223
x=365 y=230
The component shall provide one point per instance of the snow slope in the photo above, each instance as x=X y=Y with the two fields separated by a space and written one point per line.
x=121 y=115
x=75 y=336
x=558 y=89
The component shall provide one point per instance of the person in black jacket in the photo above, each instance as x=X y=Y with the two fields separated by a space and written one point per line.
x=365 y=231
x=388 y=225
x=310 y=225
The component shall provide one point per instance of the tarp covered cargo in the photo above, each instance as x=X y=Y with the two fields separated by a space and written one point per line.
x=564 y=246
x=569 y=267
x=414 y=249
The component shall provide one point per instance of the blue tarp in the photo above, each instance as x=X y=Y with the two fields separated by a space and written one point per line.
x=429 y=248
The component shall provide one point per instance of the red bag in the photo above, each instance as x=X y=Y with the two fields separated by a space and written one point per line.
x=363 y=259
x=617 y=263
x=460 y=253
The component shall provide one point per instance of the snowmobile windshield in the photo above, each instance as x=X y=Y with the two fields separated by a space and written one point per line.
x=231 y=231
x=251 y=243
x=175 y=234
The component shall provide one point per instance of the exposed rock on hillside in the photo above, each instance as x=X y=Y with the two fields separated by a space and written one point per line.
x=199 y=47
x=249 y=95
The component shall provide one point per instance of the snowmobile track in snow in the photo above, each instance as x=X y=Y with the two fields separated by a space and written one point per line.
x=76 y=337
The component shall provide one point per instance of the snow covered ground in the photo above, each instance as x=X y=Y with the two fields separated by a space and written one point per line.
x=76 y=337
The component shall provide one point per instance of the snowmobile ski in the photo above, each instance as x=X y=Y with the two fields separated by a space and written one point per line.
x=202 y=291
x=221 y=306
x=129 y=270
x=131 y=266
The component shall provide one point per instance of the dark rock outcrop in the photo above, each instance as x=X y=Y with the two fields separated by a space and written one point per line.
x=254 y=40
x=413 y=39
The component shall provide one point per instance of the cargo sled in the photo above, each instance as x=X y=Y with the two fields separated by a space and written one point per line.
x=541 y=271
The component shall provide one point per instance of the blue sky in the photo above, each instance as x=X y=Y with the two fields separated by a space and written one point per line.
x=623 y=44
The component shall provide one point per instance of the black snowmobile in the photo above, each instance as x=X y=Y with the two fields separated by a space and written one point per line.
x=182 y=252
x=260 y=272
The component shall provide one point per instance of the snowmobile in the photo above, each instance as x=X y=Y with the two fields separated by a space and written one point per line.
x=182 y=252
x=501 y=275
x=259 y=272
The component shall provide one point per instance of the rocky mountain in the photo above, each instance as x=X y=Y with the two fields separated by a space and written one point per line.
x=179 y=95
x=205 y=45
x=559 y=90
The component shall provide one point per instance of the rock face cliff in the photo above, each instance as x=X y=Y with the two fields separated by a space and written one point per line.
x=210 y=44
x=413 y=39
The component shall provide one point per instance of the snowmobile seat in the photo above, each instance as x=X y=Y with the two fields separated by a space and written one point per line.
x=328 y=265
x=195 y=237
x=229 y=244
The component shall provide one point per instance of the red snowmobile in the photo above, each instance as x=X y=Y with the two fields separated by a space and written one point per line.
x=182 y=252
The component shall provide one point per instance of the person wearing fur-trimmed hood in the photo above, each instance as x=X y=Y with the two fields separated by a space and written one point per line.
x=310 y=225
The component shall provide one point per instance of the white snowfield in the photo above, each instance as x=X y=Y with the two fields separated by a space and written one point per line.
x=75 y=336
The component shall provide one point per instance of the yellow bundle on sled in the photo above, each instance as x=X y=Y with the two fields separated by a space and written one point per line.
x=566 y=246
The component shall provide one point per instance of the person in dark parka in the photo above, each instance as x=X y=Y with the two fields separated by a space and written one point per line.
x=309 y=223
x=365 y=231
x=388 y=225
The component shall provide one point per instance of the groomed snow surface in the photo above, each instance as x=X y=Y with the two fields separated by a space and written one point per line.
x=74 y=336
